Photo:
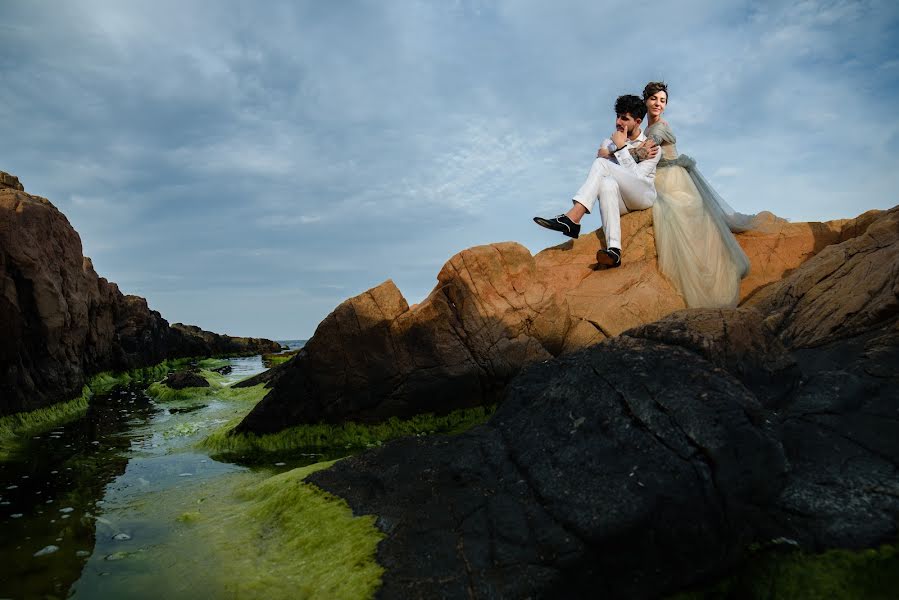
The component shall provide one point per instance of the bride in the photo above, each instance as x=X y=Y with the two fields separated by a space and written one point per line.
x=693 y=224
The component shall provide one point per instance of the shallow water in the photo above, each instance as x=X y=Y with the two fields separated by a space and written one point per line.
x=101 y=507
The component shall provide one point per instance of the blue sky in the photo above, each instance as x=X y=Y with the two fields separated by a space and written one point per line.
x=246 y=166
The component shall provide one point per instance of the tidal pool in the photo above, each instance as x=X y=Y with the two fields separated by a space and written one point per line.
x=122 y=503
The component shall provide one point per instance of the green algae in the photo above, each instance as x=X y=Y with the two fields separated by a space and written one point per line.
x=271 y=360
x=340 y=437
x=245 y=535
x=23 y=425
x=835 y=574
x=15 y=427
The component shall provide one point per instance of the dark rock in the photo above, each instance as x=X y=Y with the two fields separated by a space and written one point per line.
x=735 y=340
x=185 y=379
x=190 y=340
x=224 y=370
x=626 y=470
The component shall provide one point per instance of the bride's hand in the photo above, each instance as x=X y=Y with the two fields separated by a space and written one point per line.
x=650 y=147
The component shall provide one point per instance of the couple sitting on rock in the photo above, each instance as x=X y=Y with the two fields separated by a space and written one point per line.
x=696 y=249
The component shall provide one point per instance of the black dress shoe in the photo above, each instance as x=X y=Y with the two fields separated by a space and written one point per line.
x=609 y=258
x=560 y=223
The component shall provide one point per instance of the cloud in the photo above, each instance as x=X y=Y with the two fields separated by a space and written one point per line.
x=202 y=149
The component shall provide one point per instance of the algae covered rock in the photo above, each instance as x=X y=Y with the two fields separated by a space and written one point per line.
x=185 y=379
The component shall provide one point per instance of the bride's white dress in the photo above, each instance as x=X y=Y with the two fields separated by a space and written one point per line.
x=693 y=226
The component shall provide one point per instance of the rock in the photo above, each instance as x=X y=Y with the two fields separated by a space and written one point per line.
x=46 y=550
x=190 y=340
x=653 y=460
x=626 y=470
x=185 y=379
x=10 y=181
x=497 y=309
x=61 y=323
x=375 y=357
x=846 y=290
x=738 y=341
x=226 y=370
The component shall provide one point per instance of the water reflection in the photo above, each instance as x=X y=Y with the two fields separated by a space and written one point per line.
x=73 y=502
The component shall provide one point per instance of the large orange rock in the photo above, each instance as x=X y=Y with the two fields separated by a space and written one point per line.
x=496 y=309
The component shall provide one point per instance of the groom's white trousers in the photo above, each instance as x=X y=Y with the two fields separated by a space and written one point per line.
x=619 y=190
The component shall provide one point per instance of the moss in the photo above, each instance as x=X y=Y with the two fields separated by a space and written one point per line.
x=837 y=574
x=270 y=360
x=340 y=437
x=253 y=535
x=16 y=427
x=219 y=386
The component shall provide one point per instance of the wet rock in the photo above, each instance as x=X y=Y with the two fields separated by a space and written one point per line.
x=46 y=550
x=185 y=379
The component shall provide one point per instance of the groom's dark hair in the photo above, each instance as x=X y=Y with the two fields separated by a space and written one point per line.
x=630 y=104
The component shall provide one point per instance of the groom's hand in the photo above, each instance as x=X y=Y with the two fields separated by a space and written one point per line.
x=619 y=138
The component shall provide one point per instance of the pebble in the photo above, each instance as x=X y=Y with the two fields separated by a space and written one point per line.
x=11 y=487
x=185 y=474
x=53 y=472
x=95 y=443
x=280 y=464
x=16 y=515
x=121 y=537
x=46 y=550
x=67 y=509
x=65 y=517
x=82 y=553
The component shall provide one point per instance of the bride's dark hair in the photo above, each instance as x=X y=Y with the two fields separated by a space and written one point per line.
x=654 y=87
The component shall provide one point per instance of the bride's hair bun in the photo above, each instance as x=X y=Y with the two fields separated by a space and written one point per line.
x=654 y=87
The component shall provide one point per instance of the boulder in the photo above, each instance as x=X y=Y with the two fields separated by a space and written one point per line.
x=497 y=309
x=654 y=460
x=185 y=379
x=625 y=470
x=375 y=357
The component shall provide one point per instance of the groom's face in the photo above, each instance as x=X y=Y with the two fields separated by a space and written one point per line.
x=626 y=123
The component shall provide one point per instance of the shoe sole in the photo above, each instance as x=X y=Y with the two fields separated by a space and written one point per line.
x=606 y=260
x=554 y=226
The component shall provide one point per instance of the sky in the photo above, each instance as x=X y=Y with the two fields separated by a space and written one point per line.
x=247 y=166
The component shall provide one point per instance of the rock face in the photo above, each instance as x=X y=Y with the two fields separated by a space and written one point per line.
x=651 y=461
x=60 y=322
x=495 y=310
x=185 y=379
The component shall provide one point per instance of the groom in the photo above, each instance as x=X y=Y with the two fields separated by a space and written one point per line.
x=621 y=178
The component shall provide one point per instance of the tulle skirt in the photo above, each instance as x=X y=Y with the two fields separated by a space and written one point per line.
x=695 y=246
